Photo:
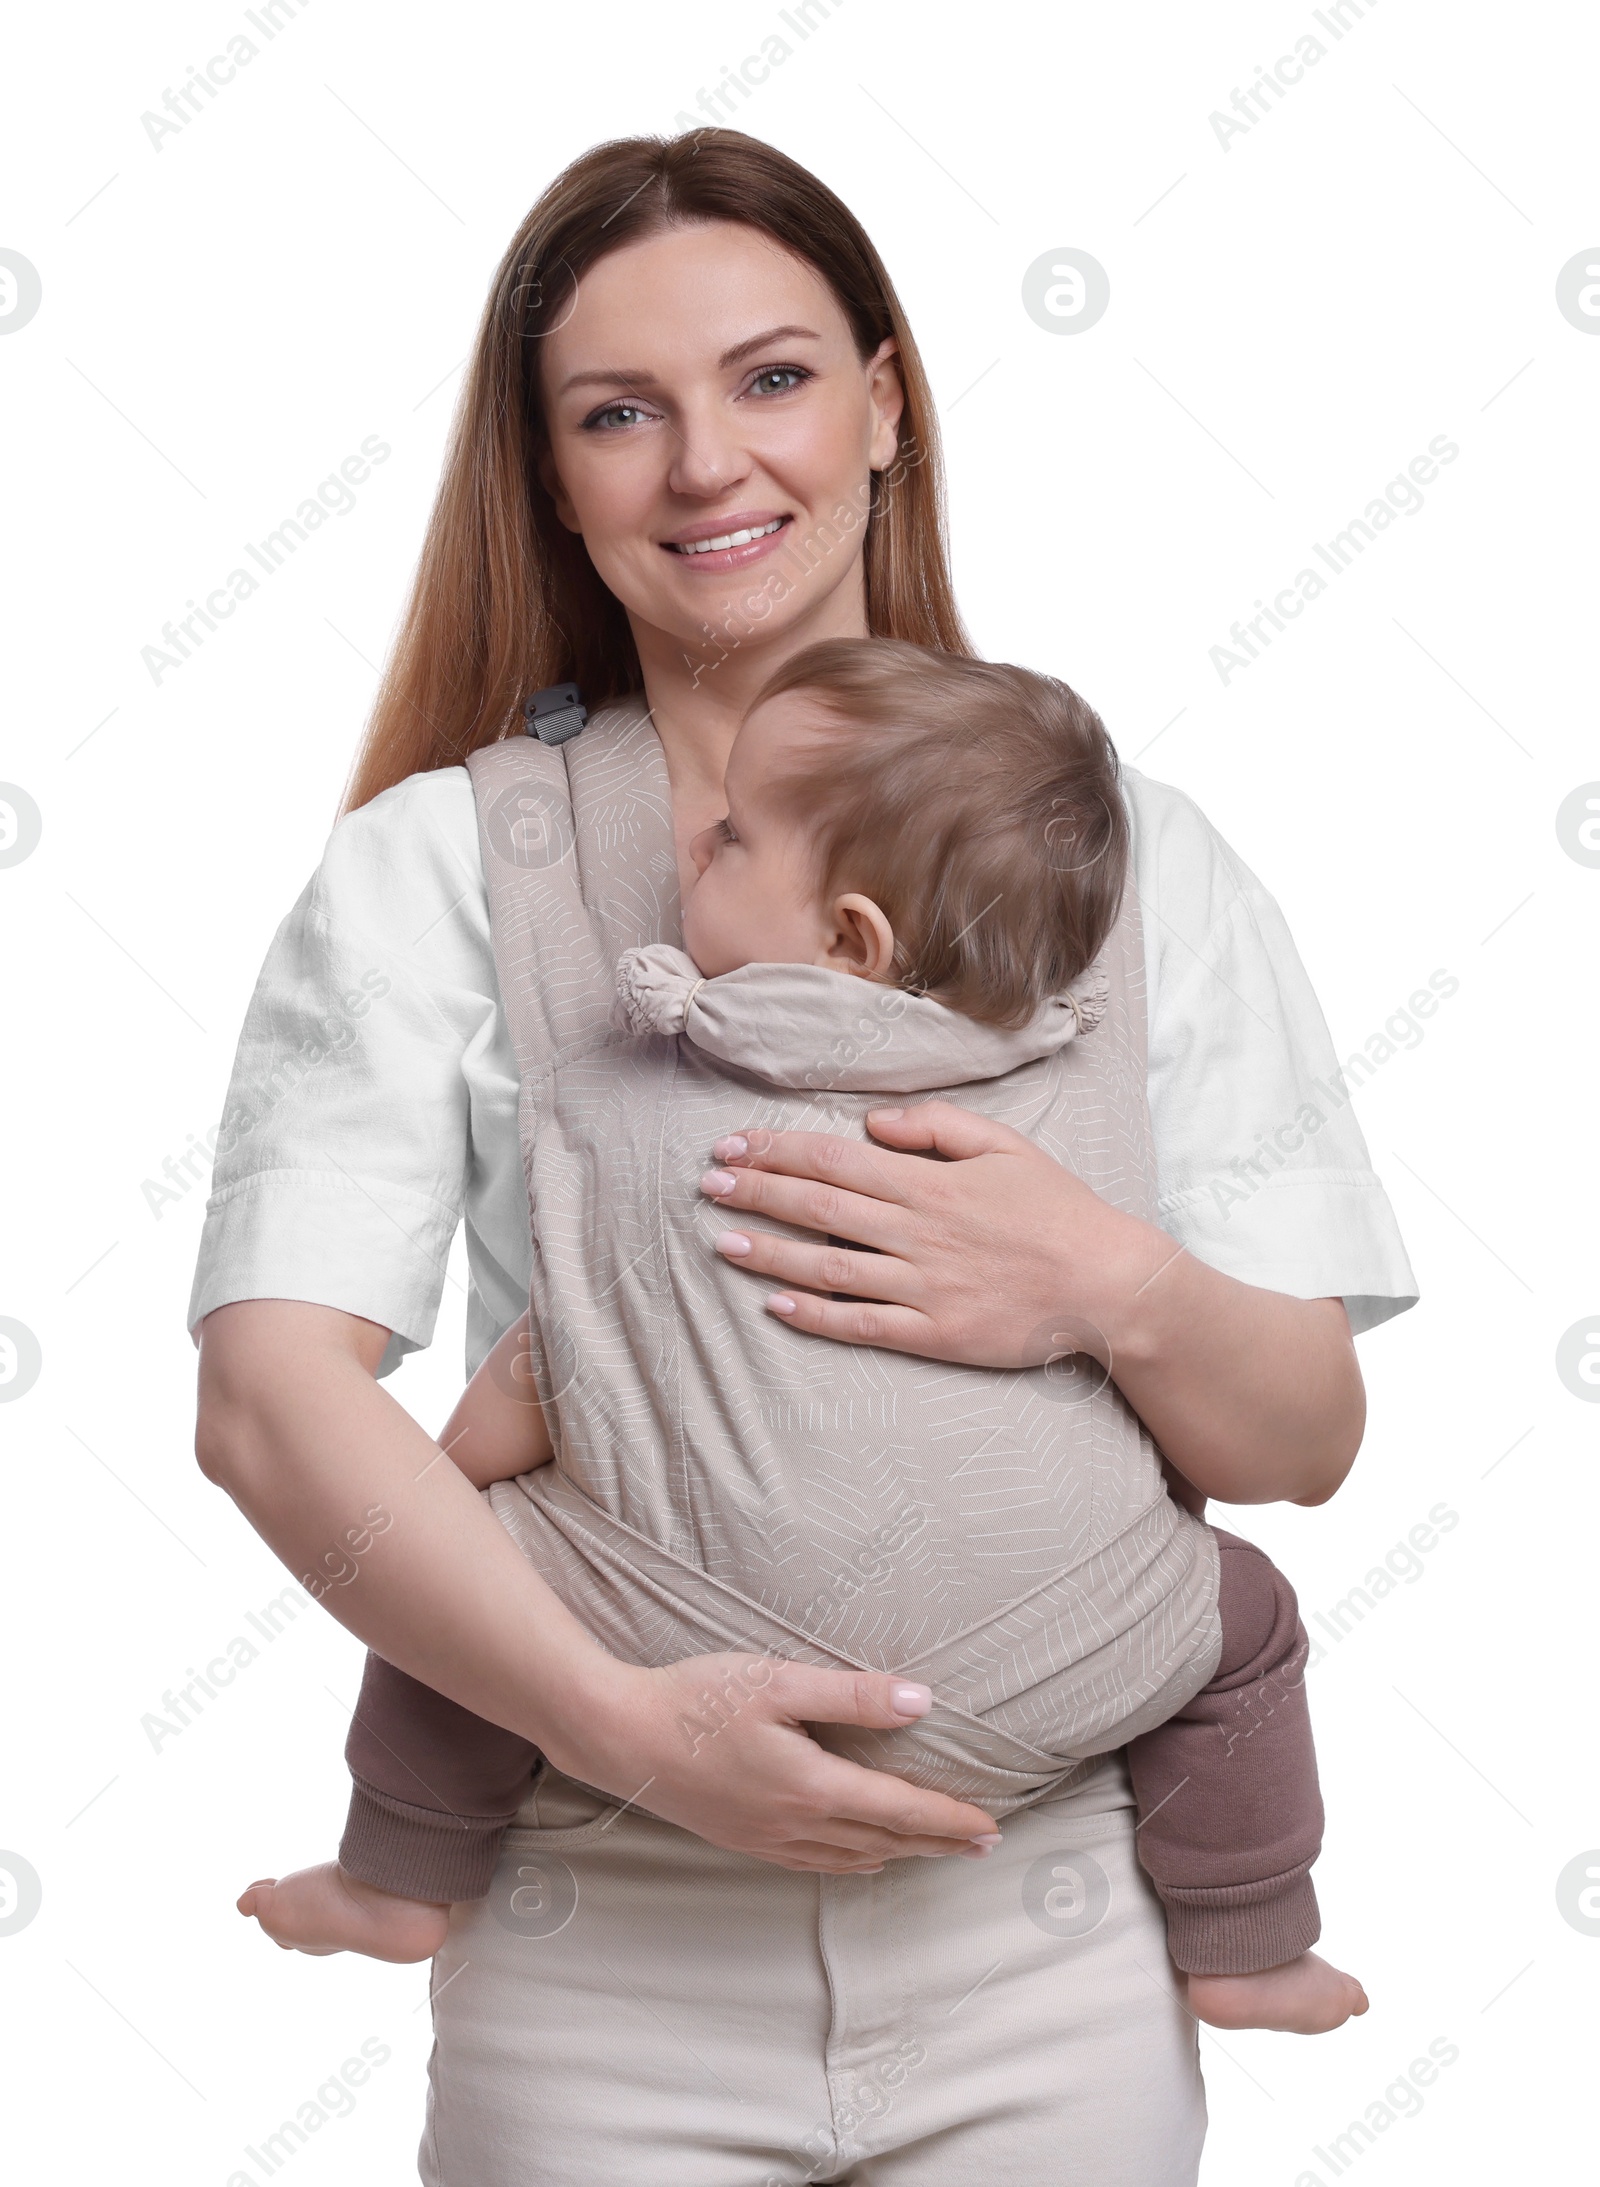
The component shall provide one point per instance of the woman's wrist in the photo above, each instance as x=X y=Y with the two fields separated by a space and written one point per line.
x=588 y=1710
x=1122 y=1287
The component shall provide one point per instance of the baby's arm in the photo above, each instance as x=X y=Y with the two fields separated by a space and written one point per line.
x=498 y=1427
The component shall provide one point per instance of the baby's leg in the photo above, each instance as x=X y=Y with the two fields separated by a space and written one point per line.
x=1232 y=1819
x=435 y=1787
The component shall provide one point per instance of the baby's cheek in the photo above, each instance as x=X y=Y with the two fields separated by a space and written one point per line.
x=705 y=928
x=693 y=917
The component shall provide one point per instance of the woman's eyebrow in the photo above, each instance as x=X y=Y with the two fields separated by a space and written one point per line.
x=635 y=376
x=629 y=376
x=741 y=350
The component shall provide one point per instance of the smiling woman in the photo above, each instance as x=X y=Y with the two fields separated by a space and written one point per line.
x=695 y=438
x=798 y=407
x=731 y=323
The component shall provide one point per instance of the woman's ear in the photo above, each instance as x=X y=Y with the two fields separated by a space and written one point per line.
x=862 y=940
x=888 y=400
x=550 y=480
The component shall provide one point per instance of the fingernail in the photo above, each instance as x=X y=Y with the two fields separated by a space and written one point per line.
x=911 y=1700
x=734 y=1243
x=979 y=1849
x=990 y=1838
x=782 y=1304
x=718 y=1182
x=729 y=1150
x=888 y=1115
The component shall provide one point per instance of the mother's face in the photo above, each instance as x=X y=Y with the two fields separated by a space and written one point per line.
x=705 y=385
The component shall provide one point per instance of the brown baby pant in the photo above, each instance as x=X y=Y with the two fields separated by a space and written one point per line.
x=1230 y=1816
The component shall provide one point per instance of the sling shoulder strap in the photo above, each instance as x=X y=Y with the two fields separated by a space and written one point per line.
x=1121 y=1163
x=579 y=859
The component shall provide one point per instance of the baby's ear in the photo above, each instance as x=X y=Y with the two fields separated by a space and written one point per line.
x=862 y=940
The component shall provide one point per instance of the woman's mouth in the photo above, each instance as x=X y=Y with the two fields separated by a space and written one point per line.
x=729 y=549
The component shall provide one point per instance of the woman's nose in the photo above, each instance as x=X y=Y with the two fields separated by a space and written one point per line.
x=707 y=459
x=703 y=848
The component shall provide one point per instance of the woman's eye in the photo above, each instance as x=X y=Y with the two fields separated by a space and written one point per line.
x=725 y=832
x=626 y=411
x=789 y=376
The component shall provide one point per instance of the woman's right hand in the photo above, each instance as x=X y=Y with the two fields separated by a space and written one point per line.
x=717 y=1744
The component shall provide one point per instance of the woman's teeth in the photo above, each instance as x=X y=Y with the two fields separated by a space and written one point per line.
x=727 y=539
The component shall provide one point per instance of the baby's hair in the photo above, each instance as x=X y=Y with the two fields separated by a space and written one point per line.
x=977 y=803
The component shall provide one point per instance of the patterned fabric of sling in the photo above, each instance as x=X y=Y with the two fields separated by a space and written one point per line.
x=723 y=1481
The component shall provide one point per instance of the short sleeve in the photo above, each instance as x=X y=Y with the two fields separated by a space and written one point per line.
x=1263 y=1171
x=345 y=1144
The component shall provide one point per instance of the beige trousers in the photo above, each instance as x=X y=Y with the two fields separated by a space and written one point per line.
x=632 y=2008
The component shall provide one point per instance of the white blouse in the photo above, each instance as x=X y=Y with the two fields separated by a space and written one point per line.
x=373 y=1101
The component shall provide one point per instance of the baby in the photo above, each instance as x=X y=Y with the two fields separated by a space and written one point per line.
x=921 y=884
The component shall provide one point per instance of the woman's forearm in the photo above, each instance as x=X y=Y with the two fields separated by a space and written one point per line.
x=369 y=1511
x=373 y=1519
x=1255 y=1397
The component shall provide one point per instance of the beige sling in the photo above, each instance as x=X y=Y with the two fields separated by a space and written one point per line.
x=725 y=1482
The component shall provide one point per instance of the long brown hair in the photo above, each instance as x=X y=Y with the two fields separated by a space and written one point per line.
x=505 y=599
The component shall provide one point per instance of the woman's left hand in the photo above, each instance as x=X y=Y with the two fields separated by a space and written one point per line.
x=998 y=1257
x=994 y=1257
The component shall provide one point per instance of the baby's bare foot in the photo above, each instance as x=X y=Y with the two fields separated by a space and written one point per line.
x=321 y=1910
x=1304 y=1997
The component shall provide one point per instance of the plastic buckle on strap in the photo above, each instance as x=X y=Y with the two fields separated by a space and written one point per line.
x=555 y=714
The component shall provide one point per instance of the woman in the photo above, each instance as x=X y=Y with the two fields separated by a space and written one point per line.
x=696 y=436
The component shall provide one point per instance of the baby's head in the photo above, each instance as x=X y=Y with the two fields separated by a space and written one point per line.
x=950 y=826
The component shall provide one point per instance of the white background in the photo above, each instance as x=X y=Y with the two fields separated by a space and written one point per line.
x=1293 y=317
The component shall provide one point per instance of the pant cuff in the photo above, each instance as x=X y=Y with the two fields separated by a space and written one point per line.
x=1242 y=1928
x=416 y=1852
